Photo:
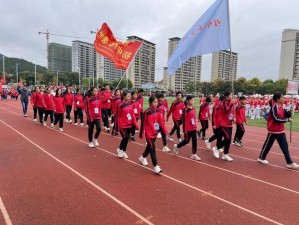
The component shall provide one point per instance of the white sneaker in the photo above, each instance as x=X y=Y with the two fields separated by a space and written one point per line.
x=175 y=149
x=44 y=124
x=125 y=155
x=95 y=142
x=216 y=152
x=208 y=144
x=52 y=125
x=91 y=145
x=112 y=124
x=70 y=121
x=35 y=120
x=81 y=124
x=159 y=135
x=263 y=161
x=60 y=129
x=109 y=118
x=227 y=158
x=120 y=153
x=143 y=161
x=105 y=128
x=76 y=124
x=293 y=166
x=136 y=131
x=166 y=149
x=195 y=157
x=180 y=140
x=169 y=138
x=66 y=120
x=157 y=169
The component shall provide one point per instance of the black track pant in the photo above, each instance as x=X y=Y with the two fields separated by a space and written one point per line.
x=125 y=134
x=204 y=127
x=34 y=112
x=78 y=113
x=68 y=109
x=96 y=123
x=225 y=134
x=40 y=114
x=188 y=136
x=59 y=118
x=49 y=113
x=239 y=132
x=151 y=149
x=176 y=127
x=105 y=117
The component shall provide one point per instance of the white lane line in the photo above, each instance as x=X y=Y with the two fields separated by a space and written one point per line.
x=122 y=204
x=82 y=177
x=5 y=213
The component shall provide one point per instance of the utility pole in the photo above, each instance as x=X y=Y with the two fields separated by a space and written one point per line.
x=35 y=74
x=4 y=67
x=17 y=72
x=57 y=77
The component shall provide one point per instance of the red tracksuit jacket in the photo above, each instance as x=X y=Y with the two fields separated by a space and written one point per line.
x=106 y=97
x=69 y=99
x=162 y=108
x=240 y=114
x=33 y=98
x=189 y=119
x=136 y=109
x=48 y=102
x=276 y=119
x=226 y=114
x=126 y=116
x=93 y=108
x=140 y=103
x=115 y=102
x=78 y=101
x=59 y=105
x=151 y=123
x=176 y=110
x=204 y=111
x=39 y=100
x=165 y=103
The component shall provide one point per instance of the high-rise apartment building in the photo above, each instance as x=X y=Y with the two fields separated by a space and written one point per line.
x=289 y=56
x=221 y=66
x=142 y=68
x=84 y=58
x=106 y=69
x=189 y=71
x=60 y=57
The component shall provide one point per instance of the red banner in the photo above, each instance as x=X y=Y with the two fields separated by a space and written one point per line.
x=3 y=79
x=120 y=53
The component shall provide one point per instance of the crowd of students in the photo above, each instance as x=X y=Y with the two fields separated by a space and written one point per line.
x=121 y=111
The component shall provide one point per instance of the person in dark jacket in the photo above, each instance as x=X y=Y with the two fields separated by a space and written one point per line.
x=278 y=116
x=24 y=93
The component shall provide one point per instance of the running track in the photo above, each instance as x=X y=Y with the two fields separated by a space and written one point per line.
x=49 y=177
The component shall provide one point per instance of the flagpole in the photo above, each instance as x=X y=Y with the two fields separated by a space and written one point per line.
x=4 y=67
x=291 y=124
x=231 y=54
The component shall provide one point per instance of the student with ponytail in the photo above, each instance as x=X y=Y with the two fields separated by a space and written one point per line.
x=78 y=107
x=59 y=108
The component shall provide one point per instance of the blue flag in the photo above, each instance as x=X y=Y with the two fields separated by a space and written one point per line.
x=210 y=33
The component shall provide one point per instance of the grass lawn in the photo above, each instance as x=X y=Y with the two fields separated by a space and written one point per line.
x=254 y=123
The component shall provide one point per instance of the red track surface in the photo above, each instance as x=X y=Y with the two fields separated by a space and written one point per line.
x=49 y=177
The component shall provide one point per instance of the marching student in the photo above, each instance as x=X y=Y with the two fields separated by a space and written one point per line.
x=78 y=107
x=125 y=121
x=162 y=108
x=189 y=128
x=32 y=101
x=240 y=120
x=106 y=96
x=151 y=123
x=136 y=109
x=59 y=108
x=69 y=100
x=226 y=114
x=140 y=102
x=276 y=131
x=94 y=114
x=115 y=102
x=204 y=117
x=40 y=104
x=176 y=110
x=48 y=106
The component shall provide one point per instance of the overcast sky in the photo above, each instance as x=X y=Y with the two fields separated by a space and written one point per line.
x=256 y=27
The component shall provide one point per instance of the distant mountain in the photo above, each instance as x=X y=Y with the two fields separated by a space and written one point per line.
x=24 y=65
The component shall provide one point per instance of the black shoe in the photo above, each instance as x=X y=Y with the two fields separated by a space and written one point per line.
x=112 y=133
x=199 y=134
x=115 y=134
x=133 y=139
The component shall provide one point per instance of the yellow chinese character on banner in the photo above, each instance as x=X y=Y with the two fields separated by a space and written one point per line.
x=119 y=50
x=105 y=40
x=113 y=44
x=126 y=55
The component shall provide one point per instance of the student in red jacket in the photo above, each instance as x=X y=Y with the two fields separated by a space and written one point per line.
x=48 y=106
x=32 y=101
x=140 y=101
x=151 y=123
x=125 y=121
x=240 y=120
x=276 y=131
x=78 y=107
x=94 y=114
x=226 y=117
x=189 y=128
x=59 y=108
x=116 y=100
x=69 y=100
x=136 y=109
x=40 y=104
x=204 y=117
x=106 y=98
x=176 y=110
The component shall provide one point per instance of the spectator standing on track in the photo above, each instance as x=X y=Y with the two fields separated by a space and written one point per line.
x=25 y=93
x=151 y=123
x=125 y=121
x=189 y=128
x=176 y=110
x=204 y=117
x=163 y=110
x=68 y=100
x=94 y=114
x=78 y=107
x=48 y=100
x=240 y=120
x=59 y=108
x=276 y=131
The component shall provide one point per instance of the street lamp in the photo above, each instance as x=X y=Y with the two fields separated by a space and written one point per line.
x=35 y=74
x=57 y=77
x=78 y=68
x=17 y=72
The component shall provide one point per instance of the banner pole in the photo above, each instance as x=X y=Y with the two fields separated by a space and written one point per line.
x=291 y=124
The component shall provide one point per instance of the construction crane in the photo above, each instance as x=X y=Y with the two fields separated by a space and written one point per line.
x=47 y=33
